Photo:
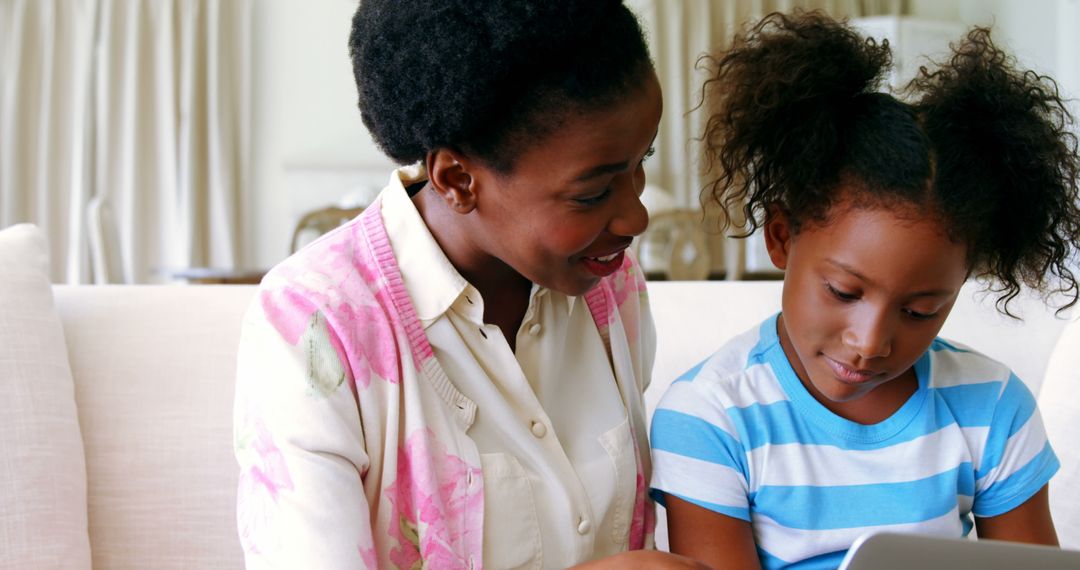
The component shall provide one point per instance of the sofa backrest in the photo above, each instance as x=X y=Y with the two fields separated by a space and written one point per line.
x=154 y=377
x=154 y=370
x=693 y=318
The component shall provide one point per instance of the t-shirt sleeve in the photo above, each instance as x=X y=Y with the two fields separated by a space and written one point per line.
x=697 y=454
x=1017 y=460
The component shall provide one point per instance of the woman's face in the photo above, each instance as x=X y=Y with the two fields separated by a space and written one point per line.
x=570 y=206
x=865 y=293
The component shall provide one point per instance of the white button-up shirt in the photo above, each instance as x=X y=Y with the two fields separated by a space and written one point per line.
x=556 y=449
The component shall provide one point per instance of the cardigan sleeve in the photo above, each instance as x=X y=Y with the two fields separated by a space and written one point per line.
x=299 y=441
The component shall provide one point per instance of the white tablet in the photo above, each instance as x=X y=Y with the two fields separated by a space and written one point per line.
x=891 y=551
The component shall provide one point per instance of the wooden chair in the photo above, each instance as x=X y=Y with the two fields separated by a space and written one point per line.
x=318 y=222
x=675 y=246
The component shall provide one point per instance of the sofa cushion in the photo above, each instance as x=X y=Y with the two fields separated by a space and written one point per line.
x=155 y=371
x=43 y=522
x=1059 y=402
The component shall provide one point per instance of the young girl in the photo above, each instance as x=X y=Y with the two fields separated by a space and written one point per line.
x=844 y=414
x=454 y=379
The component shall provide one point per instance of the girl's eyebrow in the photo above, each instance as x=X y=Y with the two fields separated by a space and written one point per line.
x=927 y=293
x=849 y=269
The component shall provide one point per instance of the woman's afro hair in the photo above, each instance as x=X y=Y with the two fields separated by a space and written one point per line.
x=488 y=77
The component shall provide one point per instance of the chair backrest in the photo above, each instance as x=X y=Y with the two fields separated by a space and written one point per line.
x=675 y=246
x=106 y=261
x=317 y=222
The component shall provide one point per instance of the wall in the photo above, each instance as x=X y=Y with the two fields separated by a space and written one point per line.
x=310 y=147
x=1041 y=33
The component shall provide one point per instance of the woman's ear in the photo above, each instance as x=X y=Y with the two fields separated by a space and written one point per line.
x=778 y=236
x=448 y=172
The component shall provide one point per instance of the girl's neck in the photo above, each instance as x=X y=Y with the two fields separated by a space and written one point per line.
x=877 y=406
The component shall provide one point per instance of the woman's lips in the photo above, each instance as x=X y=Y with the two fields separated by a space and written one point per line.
x=850 y=374
x=604 y=265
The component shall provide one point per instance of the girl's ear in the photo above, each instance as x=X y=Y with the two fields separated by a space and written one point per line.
x=448 y=172
x=778 y=236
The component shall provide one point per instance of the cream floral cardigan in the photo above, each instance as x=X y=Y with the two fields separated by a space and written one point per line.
x=338 y=391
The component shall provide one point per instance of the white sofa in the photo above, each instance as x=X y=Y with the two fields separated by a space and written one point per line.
x=144 y=477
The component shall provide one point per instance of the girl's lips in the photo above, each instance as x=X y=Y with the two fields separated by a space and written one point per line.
x=848 y=374
x=605 y=265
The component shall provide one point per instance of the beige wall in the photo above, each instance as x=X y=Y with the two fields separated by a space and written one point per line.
x=305 y=118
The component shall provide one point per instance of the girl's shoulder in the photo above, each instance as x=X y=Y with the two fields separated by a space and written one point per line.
x=738 y=374
x=952 y=364
x=967 y=379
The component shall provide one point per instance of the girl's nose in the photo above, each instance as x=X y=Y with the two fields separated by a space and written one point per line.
x=870 y=335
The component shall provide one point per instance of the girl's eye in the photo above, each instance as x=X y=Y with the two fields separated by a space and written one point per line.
x=919 y=316
x=843 y=296
x=594 y=200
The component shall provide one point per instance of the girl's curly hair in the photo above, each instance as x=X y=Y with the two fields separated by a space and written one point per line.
x=798 y=122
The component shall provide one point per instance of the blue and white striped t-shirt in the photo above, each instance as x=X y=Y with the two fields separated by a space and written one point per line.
x=740 y=435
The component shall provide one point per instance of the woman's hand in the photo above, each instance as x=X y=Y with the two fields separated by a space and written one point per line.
x=643 y=559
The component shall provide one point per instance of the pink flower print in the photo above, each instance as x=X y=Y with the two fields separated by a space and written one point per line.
x=360 y=335
x=433 y=506
x=263 y=476
x=626 y=282
x=367 y=340
x=368 y=556
x=643 y=520
x=288 y=311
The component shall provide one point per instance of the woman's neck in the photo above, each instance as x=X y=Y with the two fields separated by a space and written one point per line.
x=505 y=291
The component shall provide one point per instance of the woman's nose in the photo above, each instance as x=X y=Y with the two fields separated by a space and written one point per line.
x=631 y=218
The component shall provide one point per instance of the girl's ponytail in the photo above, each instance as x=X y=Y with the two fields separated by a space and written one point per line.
x=780 y=100
x=1005 y=166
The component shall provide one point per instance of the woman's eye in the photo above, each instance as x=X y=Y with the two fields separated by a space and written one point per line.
x=593 y=200
x=842 y=295
x=648 y=153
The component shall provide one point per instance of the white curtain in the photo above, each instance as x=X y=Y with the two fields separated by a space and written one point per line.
x=680 y=32
x=144 y=103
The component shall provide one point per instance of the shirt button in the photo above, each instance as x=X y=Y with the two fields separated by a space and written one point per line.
x=584 y=526
x=535 y=329
x=539 y=429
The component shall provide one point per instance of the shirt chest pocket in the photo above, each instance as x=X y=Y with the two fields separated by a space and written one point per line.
x=619 y=444
x=511 y=527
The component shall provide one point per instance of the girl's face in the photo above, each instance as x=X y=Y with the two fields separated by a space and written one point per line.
x=570 y=207
x=865 y=293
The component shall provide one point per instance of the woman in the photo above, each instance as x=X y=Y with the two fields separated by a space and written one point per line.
x=454 y=379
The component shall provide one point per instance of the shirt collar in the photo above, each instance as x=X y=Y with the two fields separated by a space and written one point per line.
x=433 y=283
